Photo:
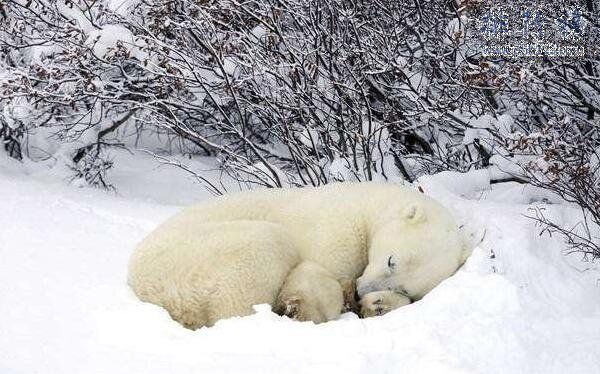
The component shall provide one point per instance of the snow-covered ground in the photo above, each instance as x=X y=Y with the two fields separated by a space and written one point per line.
x=518 y=306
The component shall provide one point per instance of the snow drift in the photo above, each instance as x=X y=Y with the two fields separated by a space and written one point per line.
x=518 y=305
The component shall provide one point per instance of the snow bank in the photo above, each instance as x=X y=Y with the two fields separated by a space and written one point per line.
x=518 y=305
x=122 y=7
x=106 y=39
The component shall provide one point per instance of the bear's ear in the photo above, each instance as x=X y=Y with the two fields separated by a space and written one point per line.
x=414 y=214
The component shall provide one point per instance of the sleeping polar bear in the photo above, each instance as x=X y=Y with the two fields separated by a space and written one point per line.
x=299 y=250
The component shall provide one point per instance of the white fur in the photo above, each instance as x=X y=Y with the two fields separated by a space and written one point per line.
x=377 y=303
x=217 y=259
x=205 y=272
x=310 y=293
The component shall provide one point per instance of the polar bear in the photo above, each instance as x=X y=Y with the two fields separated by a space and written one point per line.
x=298 y=249
x=201 y=273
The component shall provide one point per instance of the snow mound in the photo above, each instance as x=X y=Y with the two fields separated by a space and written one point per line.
x=517 y=306
x=105 y=41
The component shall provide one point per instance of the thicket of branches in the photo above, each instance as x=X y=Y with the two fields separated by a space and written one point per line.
x=283 y=92
x=294 y=92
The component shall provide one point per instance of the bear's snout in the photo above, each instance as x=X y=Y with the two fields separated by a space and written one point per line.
x=364 y=286
x=361 y=288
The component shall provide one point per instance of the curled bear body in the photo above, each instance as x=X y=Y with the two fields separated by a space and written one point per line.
x=216 y=259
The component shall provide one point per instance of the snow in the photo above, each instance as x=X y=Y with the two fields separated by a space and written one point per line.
x=16 y=111
x=106 y=39
x=259 y=32
x=121 y=7
x=519 y=305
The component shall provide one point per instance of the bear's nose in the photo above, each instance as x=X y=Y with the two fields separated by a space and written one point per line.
x=363 y=288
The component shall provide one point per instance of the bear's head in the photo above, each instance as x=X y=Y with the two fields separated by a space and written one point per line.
x=411 y=252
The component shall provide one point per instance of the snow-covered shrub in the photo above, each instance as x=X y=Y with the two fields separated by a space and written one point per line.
x=564 y=158
x=301 y=92
x=552 y=138
x=310 y=92
x=71 y=82
x=296 y=92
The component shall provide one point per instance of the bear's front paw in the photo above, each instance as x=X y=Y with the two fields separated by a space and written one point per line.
x=379 y=303
x=289 y=307
x=295 y=307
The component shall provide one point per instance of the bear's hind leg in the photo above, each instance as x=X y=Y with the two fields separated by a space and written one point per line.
x=310 y=293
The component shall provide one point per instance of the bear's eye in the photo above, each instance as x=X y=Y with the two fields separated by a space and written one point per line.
x=391 y=264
